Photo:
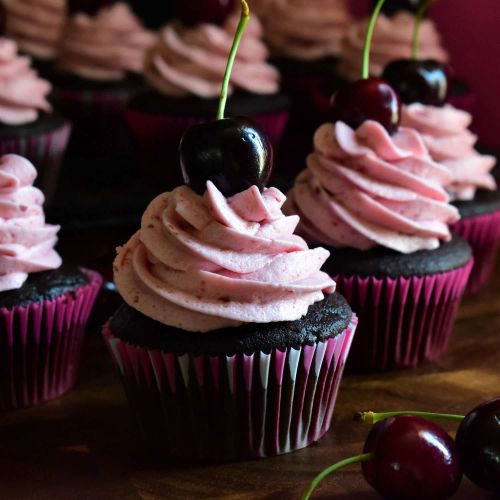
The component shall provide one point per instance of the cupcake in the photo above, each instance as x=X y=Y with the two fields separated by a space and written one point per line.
x=99 y=67
x=44 y=306
x=379 y=203
x=231 y=344
x=185 y=69
x=28 y=125
x=445 y=131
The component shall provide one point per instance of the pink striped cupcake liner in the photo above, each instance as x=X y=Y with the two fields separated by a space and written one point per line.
x=232 y=407
x=45 y=150
x=482 y=232
x=403 y=322
x=158 y=138
x=40 y=346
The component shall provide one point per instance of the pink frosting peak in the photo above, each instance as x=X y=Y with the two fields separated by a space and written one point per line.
x=36 y=25
x=22 y=93
x=364 y=188
x=445 y=132
x=206 y=262
x=392 y=39
x=192 y=60
x=26 y=241
x=106 y=46
x=305 y=29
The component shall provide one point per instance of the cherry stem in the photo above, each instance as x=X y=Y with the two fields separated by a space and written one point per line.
x=329 y=470
x=416 y=30
x=365 y=73
x=245 y=17
x=370 y=417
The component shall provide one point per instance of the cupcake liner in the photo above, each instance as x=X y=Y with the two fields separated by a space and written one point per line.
x=232 y=407
x=403 y=322
x=158 y=138
x=45 y=150
x=40 y=346
x=482 y=232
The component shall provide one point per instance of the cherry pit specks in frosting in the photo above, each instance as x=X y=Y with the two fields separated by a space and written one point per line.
x=192 y=60
x=23 y=94
x=201 y=263
x=106 y=46
x=445 y=131
x=36 y=25
x=26 y=241
x=305 y=29
x=392 y=39
x=364 y=188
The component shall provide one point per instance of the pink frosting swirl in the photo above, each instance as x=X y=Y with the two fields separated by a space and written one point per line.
x=105 y=47
x=36 y=25
x=26 y=241
x=193 y=60
x=392 y=39
x=364 y=188
x=446 y=134
x=206 y=262
x=22 y=93
x=305 y=29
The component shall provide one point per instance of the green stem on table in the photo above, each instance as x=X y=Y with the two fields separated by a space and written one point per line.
x=370 y=417
x=245 y=17
x=416 y=30
x=329 y=470
x=365 y=72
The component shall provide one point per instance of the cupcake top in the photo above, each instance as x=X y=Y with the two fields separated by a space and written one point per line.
x=392 y=39
x=104 y=47
x=26 y=241
x=305 y=29
x=23 y=94
x=192 y=60
x=36 y=25
x=445 y=131
x=201 y=263
x=364 y=188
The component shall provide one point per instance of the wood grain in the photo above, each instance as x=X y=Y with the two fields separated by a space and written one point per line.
x=84 y=445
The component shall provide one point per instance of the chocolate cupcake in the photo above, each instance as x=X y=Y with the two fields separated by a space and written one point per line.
x=231 y=344
x=185 y=70
x=28 y=124
x=473 y=189
x=378 y=201
x=43 y=307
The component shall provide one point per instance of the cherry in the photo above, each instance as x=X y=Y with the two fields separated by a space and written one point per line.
x=3 y=18
x=393 y=6
x=478 y=442
x=231 y=152
x=413 y=459
x=368 y=98
x=193 y=12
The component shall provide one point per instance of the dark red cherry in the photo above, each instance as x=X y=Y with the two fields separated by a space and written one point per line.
x=204 y=11
x=3 y=18
x=423 y=81
x=478 y=443
x=414 y=459
x=233 y=153
x=369 y=99
x=392 y=6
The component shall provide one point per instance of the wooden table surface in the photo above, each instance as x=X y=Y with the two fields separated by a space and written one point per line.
x=84 y=446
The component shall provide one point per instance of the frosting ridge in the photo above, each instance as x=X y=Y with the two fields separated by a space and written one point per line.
x=206 y=262
x=364 y=188
x=26 y=241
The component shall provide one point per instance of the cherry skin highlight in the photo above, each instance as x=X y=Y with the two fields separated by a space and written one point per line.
x=414 y=459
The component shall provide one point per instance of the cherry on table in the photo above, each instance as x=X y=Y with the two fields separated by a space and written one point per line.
x=478 y=443
x=368 y=99
x=233 y=153
x=423 y=81
x=192 y=12
x=413 y=459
